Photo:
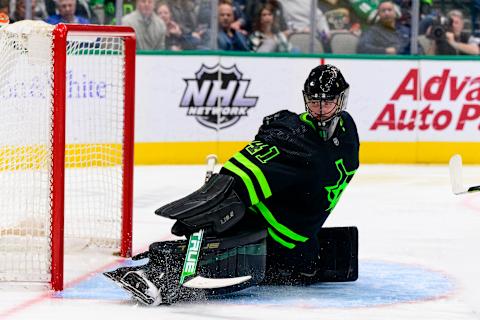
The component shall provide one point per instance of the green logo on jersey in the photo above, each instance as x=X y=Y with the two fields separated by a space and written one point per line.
x=262 y=151
x=335 y=191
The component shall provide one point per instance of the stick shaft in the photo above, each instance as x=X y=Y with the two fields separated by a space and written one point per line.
x=195 y=240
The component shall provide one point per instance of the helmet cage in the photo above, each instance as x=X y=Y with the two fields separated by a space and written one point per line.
x=322 y=101
x=326 y=122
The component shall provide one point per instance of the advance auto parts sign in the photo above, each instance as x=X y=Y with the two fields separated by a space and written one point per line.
x=213 y=86
x=448 y=102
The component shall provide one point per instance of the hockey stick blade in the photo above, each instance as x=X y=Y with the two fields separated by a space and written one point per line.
x=456 y=178
x=200 y=282
x=474 y=189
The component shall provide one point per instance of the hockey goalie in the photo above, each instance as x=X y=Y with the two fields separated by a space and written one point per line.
x=259 y=220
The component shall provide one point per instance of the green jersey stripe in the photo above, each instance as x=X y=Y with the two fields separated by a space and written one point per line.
x=246 y=180
x=262 y=181
x=284 y=243
x=277 y=225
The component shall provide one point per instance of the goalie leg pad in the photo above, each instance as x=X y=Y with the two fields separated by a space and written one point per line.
x=338 y=254
x=242 y=254
x=336 y=260
x=215 y=207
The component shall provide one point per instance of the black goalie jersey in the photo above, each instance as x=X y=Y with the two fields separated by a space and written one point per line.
x=291 y=179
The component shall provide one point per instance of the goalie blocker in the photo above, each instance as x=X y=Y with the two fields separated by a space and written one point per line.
x=232 y=255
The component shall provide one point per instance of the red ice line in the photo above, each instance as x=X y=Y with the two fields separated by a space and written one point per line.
x=51 y=295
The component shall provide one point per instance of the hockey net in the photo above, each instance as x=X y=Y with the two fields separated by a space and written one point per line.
x=66 y=144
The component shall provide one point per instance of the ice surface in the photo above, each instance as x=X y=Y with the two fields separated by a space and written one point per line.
x=418 y=257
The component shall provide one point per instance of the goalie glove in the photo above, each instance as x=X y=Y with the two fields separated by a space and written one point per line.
x=214 y=207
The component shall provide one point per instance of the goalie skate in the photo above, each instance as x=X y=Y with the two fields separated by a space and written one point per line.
x=135 y=282
x=142 y=289
x=118 y=274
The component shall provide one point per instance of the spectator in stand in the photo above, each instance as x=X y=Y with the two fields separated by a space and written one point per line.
x=51 y=7
x=266 y=36
x=298 y=13
x=385 y=37
x=341 y=16
x=405 y=18
x=4 y=13
x=451 y=38
x=344 y=34
x=175 y=39
x=252 y=7
x=173 y=36
x=128 y=7
x=365 y=10
x=150 y=28
x=4 y=9
x=97 y=11
x=85 y=9
x=82 y=8
x=405 y=7
x=183 y=12
x=228 y=38
x=66 y=13
x=39 y=11
x=339 y=20
x=240 y=18
x=204 y=11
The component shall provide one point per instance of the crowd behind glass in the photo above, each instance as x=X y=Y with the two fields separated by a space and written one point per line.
x=429 y=27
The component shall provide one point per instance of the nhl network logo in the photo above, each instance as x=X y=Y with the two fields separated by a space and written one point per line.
x=217 y=97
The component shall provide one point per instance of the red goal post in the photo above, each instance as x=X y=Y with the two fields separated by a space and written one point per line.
x=66 y=158
x=61 y=33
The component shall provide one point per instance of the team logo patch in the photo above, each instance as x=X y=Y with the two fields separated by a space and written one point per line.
x=217 y=97
x=335 y=191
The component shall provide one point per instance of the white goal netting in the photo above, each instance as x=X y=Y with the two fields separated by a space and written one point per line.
x=94 y=90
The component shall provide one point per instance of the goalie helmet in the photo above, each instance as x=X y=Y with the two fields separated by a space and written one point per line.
x=325 y=94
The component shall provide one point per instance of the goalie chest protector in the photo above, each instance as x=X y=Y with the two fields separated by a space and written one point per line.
x=291 y=176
